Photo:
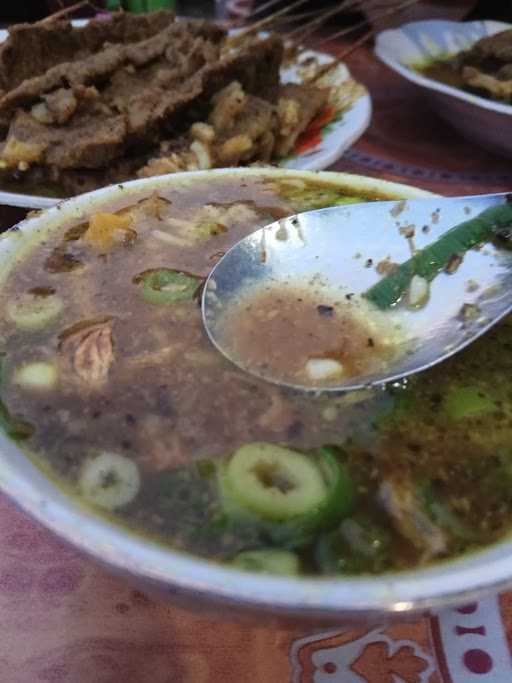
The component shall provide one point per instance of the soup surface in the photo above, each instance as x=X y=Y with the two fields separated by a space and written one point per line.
x=110 y=382
x=484 y=69
x=333 y=338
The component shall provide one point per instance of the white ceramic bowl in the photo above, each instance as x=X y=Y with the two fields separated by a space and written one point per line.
x=196 y=581
x=483 y=121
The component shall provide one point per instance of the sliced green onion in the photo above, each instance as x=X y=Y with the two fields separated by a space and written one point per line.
x=428 y=262
x=14 y=427
x=268 y=561
x=109 y=480
x=39 y=375
x=274 y=482
x=342 y=492
x=467 y=401
x=306 y=199
x=356 y=546
x=166 y=286
x=33 y=311
x=287 y=494
x=209 y=229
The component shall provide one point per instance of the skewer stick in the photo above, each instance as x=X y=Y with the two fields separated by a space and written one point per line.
x=382 y=15
x=360 y=41
x=68 y=10
x=258 y=25
x=304 y=31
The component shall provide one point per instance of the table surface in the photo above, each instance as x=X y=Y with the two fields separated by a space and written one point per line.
x=65 y=620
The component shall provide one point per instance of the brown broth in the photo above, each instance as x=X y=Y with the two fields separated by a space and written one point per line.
x=444 y=72
x=276 y=331
x=137 y=378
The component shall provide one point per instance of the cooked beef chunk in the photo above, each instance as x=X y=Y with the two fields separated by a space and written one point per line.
x=33 y=49
x=497 y=47
x=255 y=66
x=498 y=88
x=487 y=66
x=61 y=104
x=240 y=129
x=91 y=141
x=298 y=104
x=98 y=67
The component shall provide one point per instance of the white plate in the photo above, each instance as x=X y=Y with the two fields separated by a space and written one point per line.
x=321 y=145
x=481 y=120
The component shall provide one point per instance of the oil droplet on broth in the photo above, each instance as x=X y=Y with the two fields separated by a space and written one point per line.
x=306 y=336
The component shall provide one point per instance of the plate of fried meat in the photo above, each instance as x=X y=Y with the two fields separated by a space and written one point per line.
x=85 y=104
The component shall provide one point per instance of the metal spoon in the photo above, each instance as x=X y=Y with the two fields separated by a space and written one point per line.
x=343 y=245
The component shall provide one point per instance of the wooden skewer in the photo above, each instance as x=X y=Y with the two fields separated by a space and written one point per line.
x=272 y=3
x=261 y=8
x=360 y=41
x=289 y=18
x=303 y=31
x=68 y=10
x=262 y=23
x=386 y=13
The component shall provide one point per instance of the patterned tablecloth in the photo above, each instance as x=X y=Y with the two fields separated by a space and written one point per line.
x=65 y=620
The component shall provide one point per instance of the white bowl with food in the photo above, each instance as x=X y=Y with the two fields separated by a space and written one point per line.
x=126 y=433
x=463 y=68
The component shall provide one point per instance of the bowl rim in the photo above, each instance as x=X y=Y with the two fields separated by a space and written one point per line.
x=382 y=52
x=178 y=573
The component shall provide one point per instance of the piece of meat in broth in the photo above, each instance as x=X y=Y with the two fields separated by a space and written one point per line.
x=496 y=87
x=87 y=350
x=279 y=414
x=410 y=520
x=160 y=446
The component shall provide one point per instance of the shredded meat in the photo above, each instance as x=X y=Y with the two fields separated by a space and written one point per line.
x=500 y=89
x=165 y=354
x=161 y=448
x=89 y=351
x=278 y=415
x=400 y=502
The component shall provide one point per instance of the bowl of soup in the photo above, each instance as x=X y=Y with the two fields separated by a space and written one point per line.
x=432 y=55
x=128 y=434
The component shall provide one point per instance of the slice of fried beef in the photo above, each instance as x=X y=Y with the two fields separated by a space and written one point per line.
x=33 y=49
x=96 y=68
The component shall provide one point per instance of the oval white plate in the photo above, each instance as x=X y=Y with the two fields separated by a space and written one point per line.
x=325 y=141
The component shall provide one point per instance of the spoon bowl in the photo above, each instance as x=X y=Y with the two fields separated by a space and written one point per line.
x=342 y=251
